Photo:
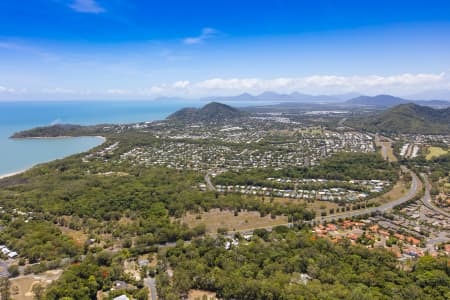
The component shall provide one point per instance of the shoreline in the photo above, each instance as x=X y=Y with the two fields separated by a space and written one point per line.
x=11 y=174
x=3 y=176
x=56 y=137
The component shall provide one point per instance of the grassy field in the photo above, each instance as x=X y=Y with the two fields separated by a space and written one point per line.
x=246 y=220
x=317 y=206
x=77 y=236
x=389 y=151
x=399 y=190
x=21 y=288
x=200 y=295
x=435 y=152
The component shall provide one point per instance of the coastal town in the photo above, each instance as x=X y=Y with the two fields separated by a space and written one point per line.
x=345 y=209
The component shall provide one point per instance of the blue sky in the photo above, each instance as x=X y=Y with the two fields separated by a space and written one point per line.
x=125 y=49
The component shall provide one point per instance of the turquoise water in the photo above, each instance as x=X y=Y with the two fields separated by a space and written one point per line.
x=17 y=155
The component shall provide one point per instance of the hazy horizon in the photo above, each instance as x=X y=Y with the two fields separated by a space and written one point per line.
x=97 y=49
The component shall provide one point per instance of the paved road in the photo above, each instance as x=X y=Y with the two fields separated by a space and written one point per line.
x=209 y=183
x=382 y=208
x=342 y=121
x=427 y=199
x=150 y=283
x=4 y=269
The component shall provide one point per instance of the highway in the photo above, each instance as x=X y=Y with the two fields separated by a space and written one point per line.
x=382 y=208
x=414 y=189
x=427 y=199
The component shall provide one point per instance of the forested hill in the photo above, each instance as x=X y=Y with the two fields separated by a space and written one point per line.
x=212 y=112
x=56 y=131
x=379 y=100
x=406 y=118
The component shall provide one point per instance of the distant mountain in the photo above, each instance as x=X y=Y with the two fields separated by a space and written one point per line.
x=406 y=118
x=276 y=97
x=212 y=112
x=390 y=101
x=379 y=100
x=245 y=97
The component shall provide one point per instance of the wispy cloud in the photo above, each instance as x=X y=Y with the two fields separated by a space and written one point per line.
x=87 y=6
x=206 y=33
x=10 y=46
x=20 y=46
x=4 y=90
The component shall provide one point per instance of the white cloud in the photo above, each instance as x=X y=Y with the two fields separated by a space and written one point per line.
x=181 y=84
x=5 y=90
x=59 y=91
x=10 y=46
x=205 y=34
x=87 y=6
x=398 y=85
x=118 y=92
x=317 y=84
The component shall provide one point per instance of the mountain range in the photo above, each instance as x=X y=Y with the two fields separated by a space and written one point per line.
x=351 y=99
x=276 y=97
x=390 y=101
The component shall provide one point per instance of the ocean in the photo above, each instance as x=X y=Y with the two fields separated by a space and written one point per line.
x=17 y=155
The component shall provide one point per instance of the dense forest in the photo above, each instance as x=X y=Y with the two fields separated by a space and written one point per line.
x=286 y=264
x=405 y=118
x=96 y=272
x=118 y=202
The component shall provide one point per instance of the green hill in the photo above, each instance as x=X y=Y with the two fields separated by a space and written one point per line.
x=212 y=112
x=406 y=118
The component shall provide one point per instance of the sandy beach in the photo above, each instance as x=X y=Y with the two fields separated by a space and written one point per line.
x=11 y=174
x=2 y=176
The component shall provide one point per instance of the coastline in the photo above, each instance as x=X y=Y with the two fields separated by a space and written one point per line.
x=11 y=174
x=14 y=173
x=57 y=137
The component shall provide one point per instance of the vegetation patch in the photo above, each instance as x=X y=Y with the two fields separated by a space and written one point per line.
x=286 y=264
x=38 y=241
x=215 y=219
x=434 y=152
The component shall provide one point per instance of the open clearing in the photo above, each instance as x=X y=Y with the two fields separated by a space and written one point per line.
x=389 y=151
x=200 y=295
x=386 y=149
x=21 y=287
x=435 y=152
x=77 y=236
x=400 y=189
x=246 y=220
x=316 y=205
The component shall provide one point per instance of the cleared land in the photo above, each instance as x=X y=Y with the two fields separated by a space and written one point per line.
x=435 y=152
x=316 y=205
x=79 y=237
x=201 y=295
x=246 y=220
x=21 y=287
x=389 y=152
x=399 y=190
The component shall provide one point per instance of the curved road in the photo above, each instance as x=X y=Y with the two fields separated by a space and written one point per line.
x=382 y=208
x=427 y=199
x=209 y=183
